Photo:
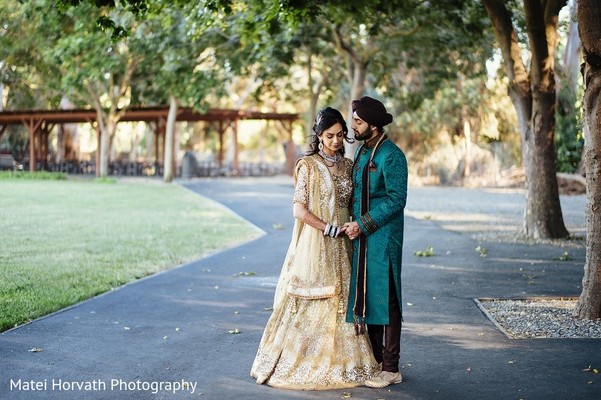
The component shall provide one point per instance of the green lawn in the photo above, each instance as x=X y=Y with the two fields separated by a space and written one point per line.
x=63 y=241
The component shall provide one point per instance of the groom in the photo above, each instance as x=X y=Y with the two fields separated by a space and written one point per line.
x=379 y=197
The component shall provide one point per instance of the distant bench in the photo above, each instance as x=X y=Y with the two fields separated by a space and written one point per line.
x=7 y=162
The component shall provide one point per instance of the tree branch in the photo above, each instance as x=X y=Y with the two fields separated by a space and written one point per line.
x=343 y=45
x=542 y=21
x=508 y=43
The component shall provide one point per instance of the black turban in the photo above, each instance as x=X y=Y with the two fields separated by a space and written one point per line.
x=371 y=111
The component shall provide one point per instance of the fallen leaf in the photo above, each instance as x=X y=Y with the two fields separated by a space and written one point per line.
x=564 y=257
x=177 y=329
x=591 y=369
x=278 y=226
x=346 y=395
x=251 y=273
x=510 y=362
x=268 y=308
x=35 y=350
x=165 y=337
x=236 y=312
x=482 y=251
x=469 y=369
x=127 y=328
x=234 y=331
x=409 y=304
x=429 y=252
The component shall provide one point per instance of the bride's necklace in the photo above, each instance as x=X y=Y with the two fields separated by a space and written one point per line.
x=334 y=160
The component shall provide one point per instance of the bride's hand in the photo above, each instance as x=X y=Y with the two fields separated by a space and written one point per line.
x=352 y=230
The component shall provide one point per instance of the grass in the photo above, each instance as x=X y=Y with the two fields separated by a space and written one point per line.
x=64 y=241
x=36 y=175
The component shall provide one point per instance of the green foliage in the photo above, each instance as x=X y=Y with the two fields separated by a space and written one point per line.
x=178 y=52
x=104 y=22
x=569 y=139
x=36 y=175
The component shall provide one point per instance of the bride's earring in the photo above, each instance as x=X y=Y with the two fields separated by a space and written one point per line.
x=320 y=145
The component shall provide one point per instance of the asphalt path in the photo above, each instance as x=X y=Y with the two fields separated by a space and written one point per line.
x=192 y=332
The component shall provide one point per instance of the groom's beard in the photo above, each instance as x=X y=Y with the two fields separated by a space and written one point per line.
x=366 y=134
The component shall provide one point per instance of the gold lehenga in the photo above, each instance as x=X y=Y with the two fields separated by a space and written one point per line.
x=307 y=344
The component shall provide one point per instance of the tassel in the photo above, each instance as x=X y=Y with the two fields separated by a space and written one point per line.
x=359 y=324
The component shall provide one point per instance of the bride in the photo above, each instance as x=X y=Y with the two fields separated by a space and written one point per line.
x=306 y=343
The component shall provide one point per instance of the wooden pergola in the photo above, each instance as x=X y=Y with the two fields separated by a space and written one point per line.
x=41 y=122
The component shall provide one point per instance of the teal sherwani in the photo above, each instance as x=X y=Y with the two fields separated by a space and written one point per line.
x=383 y=225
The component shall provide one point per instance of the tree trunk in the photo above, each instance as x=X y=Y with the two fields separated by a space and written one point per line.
x=543 y=217
x=102 y=168
x=169 y=136
x=589 y=13
x=312 y=96
x=68 y=137
x=467 y=140
x=359 y=72
x=356 y=71
x=107 y=125
x=533 y=96
x=315 y=89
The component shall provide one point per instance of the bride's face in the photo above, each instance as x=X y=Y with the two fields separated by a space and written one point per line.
x=333 y=139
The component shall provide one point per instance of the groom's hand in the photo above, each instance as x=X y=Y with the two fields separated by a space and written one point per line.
x=352 y=230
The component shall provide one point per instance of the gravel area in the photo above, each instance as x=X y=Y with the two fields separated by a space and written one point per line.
x=541 y=318
x=496 y=215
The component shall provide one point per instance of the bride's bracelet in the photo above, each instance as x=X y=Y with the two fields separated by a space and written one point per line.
x=331 y=230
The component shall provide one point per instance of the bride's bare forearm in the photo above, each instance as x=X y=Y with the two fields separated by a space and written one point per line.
x=306 y=216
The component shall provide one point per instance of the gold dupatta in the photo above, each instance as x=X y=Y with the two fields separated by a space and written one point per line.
x=312 y=268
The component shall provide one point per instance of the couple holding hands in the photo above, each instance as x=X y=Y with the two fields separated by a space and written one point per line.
x=336 y=320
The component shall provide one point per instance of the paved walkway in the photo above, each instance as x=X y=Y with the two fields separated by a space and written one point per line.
x=170 y=333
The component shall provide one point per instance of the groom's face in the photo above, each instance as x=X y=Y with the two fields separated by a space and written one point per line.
x=362 y=130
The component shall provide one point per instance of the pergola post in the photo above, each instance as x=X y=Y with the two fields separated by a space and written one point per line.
x=45 y=141
x=222 y=127
x=155 y=130
x=33 y=126
x=290 y=149
x=235 y=161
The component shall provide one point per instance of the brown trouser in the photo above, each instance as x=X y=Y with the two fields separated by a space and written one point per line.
x=386 y=339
